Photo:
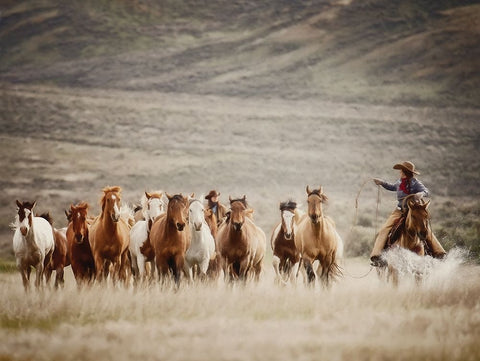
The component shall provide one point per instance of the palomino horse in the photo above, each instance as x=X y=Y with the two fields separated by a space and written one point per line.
x=317 y=239
x=110 y=237
x=286 y=256
x=412 y=234
x=141 y=251
x=33 y=243
x=170 y=238
x=81 y=257
x=242 y=244
x=60 y=257
x=202 y=245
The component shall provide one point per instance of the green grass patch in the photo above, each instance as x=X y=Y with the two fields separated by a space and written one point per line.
x=7 y=266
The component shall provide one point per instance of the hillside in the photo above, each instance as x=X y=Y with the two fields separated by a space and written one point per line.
x=376 y=51
x=256 y=98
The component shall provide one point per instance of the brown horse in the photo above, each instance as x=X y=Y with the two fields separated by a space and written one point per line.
x=286 y=256
x=60 y=256
x=110 y=237
x=242 y=244
x=81 y=257
x=170 y=238
x=318 y=239
x=412 y=233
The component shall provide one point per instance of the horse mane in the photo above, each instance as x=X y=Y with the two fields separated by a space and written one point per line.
x=47 y=216
x=318 y=192
x=289 y=205
x=241 y=200
x=114 y=189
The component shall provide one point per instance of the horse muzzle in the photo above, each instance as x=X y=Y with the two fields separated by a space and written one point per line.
x=288 y=236
x=237 y=226
x=24 y=231
x=180 y=226
x=314 y=219
x=198 y=226
x=115 y=218
x=78 y=238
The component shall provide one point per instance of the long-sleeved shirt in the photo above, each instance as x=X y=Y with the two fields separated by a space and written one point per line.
x=415 y=187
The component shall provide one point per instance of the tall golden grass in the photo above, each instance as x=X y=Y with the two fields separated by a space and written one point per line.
x=357 y=319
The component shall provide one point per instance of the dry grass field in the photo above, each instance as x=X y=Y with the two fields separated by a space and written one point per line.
x=255 y=98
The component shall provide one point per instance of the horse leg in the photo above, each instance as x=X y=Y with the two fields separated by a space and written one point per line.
x=187 y=269
x=39 y=275
x=276 y=267
x=59 y=280
x=137 y=275
x=25 y=273
x=307 y=263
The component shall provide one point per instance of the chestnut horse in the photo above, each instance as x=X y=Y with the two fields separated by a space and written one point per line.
x=317 y=239
x=81 y=257
x=242 y=244
x=33 y=243
x=286 y=256
x=60 y=257
x=413 y=233
x=141 y=251
x=170 y=238
x=110 y=237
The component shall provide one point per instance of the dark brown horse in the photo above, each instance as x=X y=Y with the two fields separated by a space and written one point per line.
x=81 y=257
x=318 y=239
x=60 y=257
x=242 y=244
x=110 y=237
x=412 y=233
x=286 y=256
x=170 y=238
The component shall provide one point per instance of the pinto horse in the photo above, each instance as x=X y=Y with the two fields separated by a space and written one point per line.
x=412 y=234
x=78 y=243
x=60 y=256
x=170 y=238
x=141 y=250
x=33 y=243
x=242 y=244
x=110 y=237
x=317 y=239
x=286 y=256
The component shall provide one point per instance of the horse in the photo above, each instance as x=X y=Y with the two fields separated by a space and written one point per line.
x=33 y=243
x=286 y=256
x=215 y=265
x=202 y=246
x=78 y=243
x=412 y=232
x=110 y=237
x=60 y=256
x=170 y=238
x=141 y=251
x=317 y=239
x=242 y=244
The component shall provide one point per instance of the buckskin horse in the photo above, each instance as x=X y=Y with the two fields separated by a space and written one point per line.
x=242 y=244
x=33 y=243
x=318 y=239
x=170 y=238
x=110 y=237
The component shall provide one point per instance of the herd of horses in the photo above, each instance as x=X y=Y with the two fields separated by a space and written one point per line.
x=171 y=237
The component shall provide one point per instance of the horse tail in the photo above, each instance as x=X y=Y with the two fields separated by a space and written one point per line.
x=46 y=216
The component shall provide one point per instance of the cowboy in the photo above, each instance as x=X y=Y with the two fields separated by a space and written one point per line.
x=217 y=208
x=406 y=185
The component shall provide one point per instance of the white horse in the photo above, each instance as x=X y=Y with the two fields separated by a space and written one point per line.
x=33 y=243
x=153 y=206
x=202 y=245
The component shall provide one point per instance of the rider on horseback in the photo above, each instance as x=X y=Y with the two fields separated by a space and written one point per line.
x=406 y=185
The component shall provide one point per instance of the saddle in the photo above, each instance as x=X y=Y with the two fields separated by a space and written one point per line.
x=395 y=232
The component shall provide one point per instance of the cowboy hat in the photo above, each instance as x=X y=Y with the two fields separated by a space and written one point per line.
x=213 y=193
x=409 y=166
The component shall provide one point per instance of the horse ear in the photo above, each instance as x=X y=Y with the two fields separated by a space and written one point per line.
x=427 y=204
x=169 y=196
x=33 y=205
x=244 y=198
x=19 y=205
x=192 y=195
x=148 y=195
x=230 y=199
x=308 y=189
x=320 y=189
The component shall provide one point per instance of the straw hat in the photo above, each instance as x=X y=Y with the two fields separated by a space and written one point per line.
x=213 y=193
x=406 y=166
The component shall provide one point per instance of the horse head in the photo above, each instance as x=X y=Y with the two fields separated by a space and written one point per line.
x=154 y=205
x=111 y=202
x=417 y=218
x=315 y=198
x=25 y=216
x=78 y=217
x=238 y=212
x=177 y=211
x=196 y=214
x=288 y=218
